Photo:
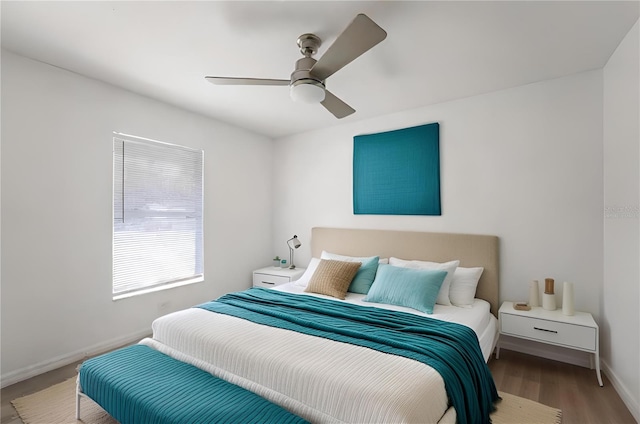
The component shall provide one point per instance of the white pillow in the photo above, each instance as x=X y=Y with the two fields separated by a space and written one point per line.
x=343 y=258
x=303 y=281
x=463 y=286
x=450 y=267
x=336 y=257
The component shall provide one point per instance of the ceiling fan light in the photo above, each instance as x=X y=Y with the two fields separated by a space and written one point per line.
x=307 y=91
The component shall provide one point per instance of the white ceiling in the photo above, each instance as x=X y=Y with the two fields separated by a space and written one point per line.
x=434 y=52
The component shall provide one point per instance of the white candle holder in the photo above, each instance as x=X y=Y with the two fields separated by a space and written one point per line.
x=549 y=301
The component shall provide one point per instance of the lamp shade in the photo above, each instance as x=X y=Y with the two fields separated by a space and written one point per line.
x=293 y=242
x=307 y=91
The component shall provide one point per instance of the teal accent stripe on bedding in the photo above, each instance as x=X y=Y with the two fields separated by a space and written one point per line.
x=140 y=385
x=397 y=172
x=451 y=349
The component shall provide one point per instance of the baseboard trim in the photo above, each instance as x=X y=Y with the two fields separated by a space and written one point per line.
x=627 y=397
x=60 y=361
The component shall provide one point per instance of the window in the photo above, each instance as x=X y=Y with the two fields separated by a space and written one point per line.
x=157 y=215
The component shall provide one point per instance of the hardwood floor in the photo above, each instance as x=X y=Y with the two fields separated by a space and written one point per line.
x=571 y=388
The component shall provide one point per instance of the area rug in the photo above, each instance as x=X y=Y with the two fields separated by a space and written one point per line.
x=57 y=405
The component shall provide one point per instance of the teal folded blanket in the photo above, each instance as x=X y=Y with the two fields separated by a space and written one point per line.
x=139 y=385
x=451 y=349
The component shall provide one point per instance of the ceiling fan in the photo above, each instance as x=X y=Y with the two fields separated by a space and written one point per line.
x=307 y=81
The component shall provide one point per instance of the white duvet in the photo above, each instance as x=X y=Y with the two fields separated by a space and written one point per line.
x=318 y=379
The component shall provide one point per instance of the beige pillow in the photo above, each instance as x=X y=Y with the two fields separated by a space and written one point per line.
x=332 y=278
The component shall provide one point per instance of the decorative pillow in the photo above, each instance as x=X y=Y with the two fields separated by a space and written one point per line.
x=332 y=278
x=463 y=286
x=450 y=267
x=365 y=275
x=311 y=268
x=413 y=288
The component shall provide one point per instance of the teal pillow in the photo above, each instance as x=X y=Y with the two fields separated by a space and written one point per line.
x=365 y=275
x=414 y=288
x=363 y=280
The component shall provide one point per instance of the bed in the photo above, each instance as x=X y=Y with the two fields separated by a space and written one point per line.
x=330 y=378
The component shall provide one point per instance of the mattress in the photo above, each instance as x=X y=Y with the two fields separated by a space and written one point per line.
x=315 y=378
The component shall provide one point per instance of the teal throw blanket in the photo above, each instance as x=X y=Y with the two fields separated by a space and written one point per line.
x=451 y=349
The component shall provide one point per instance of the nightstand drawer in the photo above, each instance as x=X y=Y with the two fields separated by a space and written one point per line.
x=268 y=280
x=559 y=333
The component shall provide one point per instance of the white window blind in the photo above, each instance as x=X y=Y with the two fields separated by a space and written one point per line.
x=157 y=211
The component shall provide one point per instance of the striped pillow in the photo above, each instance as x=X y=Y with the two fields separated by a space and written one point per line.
x=332 y=278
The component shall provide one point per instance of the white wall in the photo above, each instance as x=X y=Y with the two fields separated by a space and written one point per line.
x=621 y=288
x=56 y=213
x=524 y=164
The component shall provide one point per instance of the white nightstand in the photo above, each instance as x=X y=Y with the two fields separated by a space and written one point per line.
x=577 y=331
x=271 y=276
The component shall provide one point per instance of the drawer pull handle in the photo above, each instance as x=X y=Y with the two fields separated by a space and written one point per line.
x=544 y=329
x=268 y=282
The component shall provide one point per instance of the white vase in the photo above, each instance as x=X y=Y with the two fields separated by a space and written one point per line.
x=534 y=294
x=549 y=301
x=567 y=299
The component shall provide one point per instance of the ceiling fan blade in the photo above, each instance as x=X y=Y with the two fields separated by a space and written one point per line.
x=246 y=81
x=337 y=107
x=361 y=35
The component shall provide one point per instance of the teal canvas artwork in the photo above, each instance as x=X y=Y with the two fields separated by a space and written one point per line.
x=397 y=172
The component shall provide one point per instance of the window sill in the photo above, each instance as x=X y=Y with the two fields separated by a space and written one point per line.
x=159 y=288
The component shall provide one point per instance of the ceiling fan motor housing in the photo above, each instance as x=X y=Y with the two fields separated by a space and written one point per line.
x=302 y=73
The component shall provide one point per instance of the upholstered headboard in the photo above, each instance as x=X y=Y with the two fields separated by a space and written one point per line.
x=472 y=250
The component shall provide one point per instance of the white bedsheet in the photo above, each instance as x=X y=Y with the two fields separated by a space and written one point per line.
x=315 y=378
